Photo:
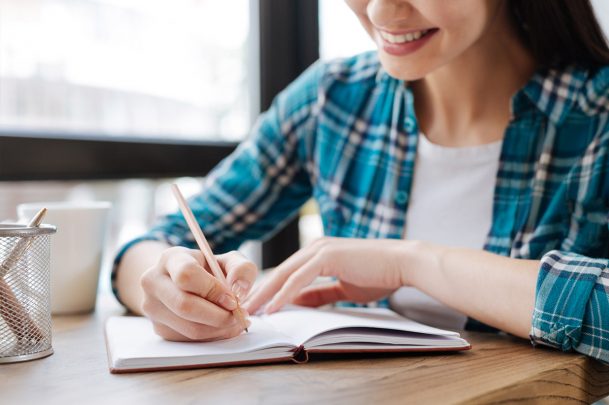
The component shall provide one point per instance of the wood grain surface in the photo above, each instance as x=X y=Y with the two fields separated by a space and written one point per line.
x=498 y=369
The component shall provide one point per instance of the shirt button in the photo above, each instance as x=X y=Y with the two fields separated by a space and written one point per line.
x=410 y=125
x=401 y=197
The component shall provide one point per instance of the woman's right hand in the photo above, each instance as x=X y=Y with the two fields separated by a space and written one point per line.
x=185 y=302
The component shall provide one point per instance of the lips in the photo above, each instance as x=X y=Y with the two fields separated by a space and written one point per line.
x=401 y=44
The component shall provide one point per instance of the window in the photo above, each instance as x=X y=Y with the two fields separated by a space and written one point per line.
x=160 y=69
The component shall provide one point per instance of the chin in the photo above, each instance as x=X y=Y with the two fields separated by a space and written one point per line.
x=400 y=69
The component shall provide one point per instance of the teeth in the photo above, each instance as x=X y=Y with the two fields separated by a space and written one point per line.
x=400 y=39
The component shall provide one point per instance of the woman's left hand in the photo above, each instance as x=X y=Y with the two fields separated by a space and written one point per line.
x=365 y=270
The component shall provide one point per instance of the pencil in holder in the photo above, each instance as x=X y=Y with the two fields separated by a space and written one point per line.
x=25 y=296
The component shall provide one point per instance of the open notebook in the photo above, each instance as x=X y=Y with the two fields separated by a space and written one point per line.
x=287 y=335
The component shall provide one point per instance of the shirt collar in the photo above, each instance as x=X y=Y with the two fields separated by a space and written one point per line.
x=553 y=92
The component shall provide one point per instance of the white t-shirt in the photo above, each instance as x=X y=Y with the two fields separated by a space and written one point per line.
x=451 y=203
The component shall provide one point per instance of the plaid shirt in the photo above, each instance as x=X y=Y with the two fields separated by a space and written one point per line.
x=345 y=133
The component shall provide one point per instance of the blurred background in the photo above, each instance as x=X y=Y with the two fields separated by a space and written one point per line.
x=114 y=99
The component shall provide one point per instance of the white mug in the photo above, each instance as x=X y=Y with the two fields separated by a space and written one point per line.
x=76 y=251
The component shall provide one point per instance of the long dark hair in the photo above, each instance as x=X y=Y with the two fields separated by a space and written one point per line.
x=561 y=32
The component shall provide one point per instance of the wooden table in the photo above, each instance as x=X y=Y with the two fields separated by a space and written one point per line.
x=497 y=369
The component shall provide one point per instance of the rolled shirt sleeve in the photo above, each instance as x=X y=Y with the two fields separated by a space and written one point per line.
x=572 y=304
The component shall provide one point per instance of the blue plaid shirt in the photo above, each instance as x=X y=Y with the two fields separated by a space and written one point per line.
x=345 y=133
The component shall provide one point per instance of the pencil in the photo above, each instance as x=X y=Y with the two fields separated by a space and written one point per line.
x=206 y=249
x=11 y=310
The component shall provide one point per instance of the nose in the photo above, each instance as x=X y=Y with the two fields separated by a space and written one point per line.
x=389 y=13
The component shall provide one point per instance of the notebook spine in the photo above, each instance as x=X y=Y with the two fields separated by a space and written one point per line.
x=300 y=355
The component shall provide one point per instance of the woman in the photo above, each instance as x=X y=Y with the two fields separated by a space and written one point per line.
x=463 y=163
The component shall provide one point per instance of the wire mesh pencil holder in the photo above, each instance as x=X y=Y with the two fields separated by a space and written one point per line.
x=25 y=296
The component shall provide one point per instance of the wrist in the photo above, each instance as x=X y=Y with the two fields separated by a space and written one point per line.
x=419 y=258
x=134 y=263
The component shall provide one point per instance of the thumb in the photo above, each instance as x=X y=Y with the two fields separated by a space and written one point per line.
x=240 y=272
x=320 y=294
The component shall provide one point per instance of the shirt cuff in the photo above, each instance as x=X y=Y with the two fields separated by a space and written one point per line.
x=564 y=287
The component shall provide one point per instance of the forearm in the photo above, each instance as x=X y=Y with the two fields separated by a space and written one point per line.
x=134 y=263
x=496 y=290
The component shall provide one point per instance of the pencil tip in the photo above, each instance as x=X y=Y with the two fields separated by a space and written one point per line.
x=246 y=330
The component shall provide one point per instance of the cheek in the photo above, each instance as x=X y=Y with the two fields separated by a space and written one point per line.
x=464 y=25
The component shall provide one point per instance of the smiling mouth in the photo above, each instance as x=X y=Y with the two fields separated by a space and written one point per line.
x=405 y=38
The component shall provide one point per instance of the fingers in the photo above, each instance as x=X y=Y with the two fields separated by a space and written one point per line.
x=320 y=294
x=170 y=327
x=186 y=302
x=275 y=280
x=190 y=306
x=298 y=280
x=188 y=275
x=240 y=271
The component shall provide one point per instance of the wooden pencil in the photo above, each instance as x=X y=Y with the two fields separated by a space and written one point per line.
x=206 y=250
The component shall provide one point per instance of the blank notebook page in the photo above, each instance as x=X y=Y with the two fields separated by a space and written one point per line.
x=133 y=337
x=301 y=324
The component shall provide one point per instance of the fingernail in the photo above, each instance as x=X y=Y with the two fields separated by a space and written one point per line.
x=240 y=287
x=228 y=302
